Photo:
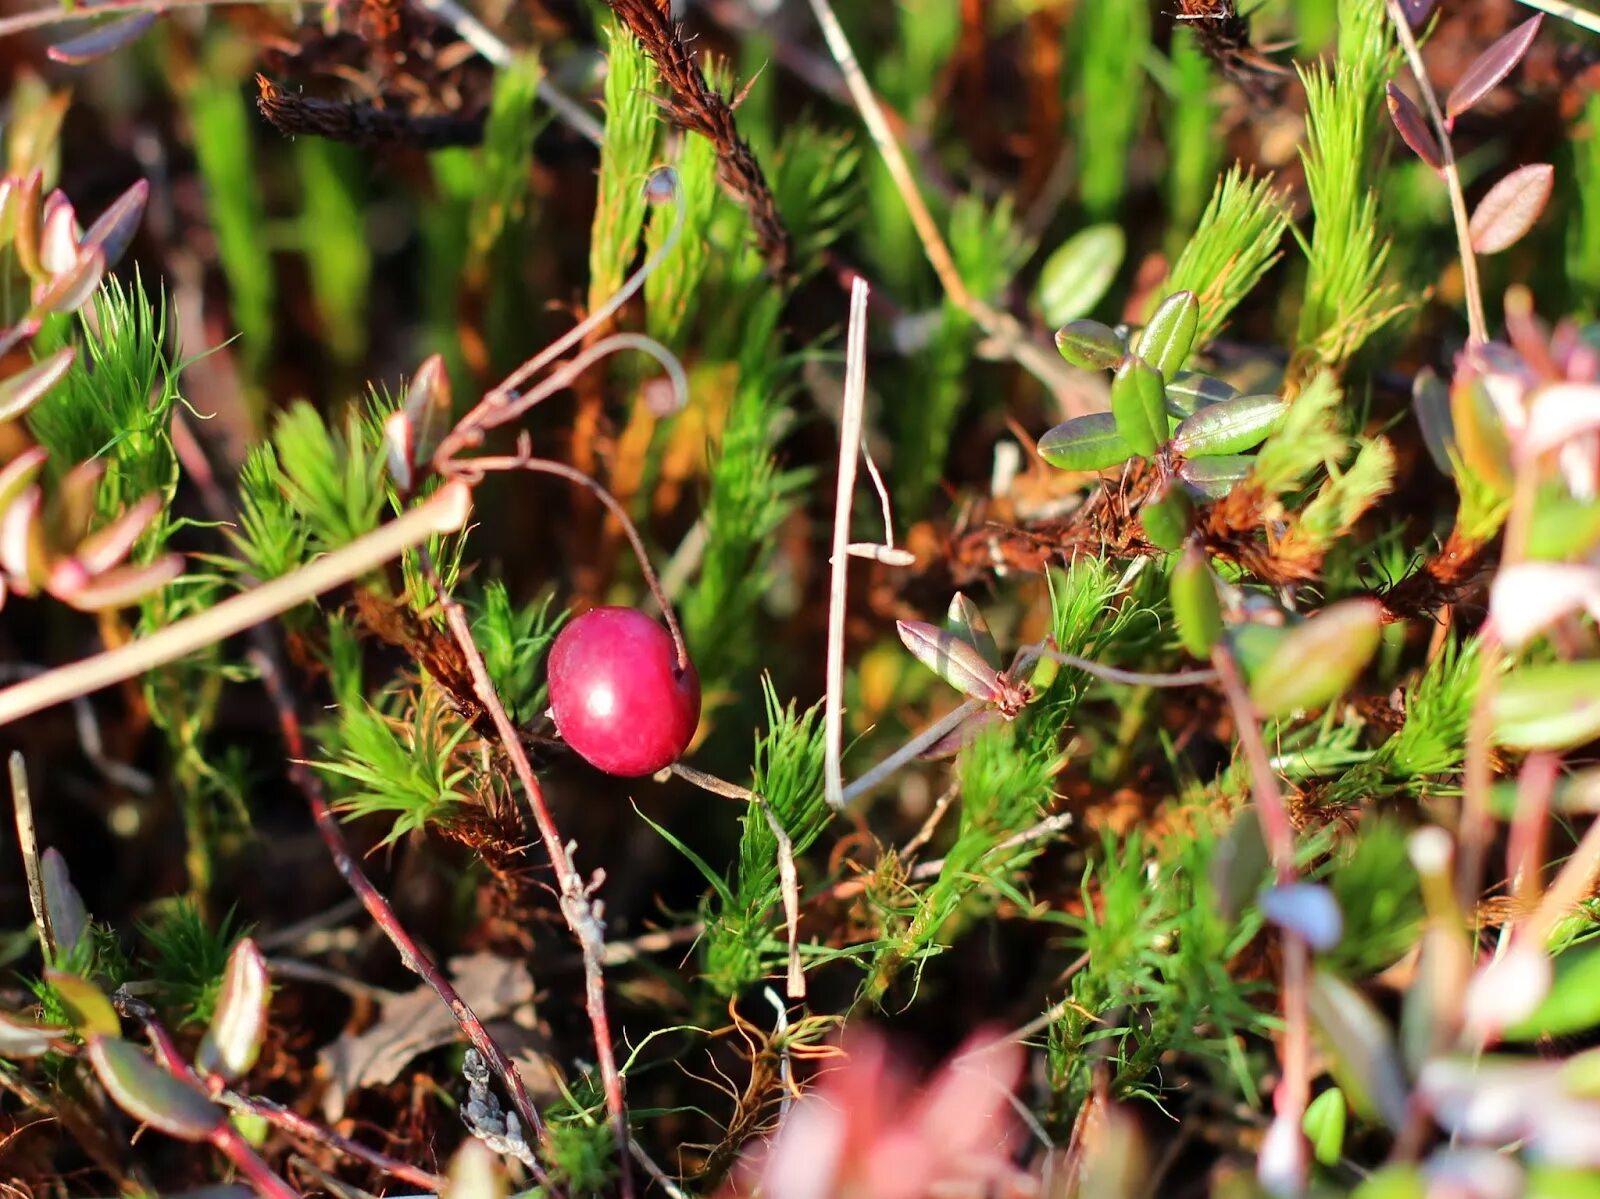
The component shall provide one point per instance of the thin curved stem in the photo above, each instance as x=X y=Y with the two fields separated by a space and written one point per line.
x=548 y=466
x=1477 y=323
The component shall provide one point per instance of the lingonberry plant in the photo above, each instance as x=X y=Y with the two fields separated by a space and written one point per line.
x=510 y=516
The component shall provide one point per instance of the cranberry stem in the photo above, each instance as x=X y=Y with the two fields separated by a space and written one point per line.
x=576 y=907
x=548 y=466
x=274 y=680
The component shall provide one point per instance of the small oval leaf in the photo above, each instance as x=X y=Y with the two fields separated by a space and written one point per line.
x=1139 y=405
x=21 y=1038
x=1230 y=426
x=115 y=227
x=1512 y=206
x=1430 y=399
x=1078 y=274
x=1324 y=1126
x=1413 y=127
x=152 y=1095
x=1168 y=338
x=103 y=39
x=966 y=620
x=1195 y=603
x=1480 y=439
x=1319 y=658
x=1090 y=345
x=107 y=546
x=1306 y=909
x=1572 y=1004
x=69 y=918
x=1085 y=443
x=428 y=407
x=1238 y=864
x=124 y=585
x=28 y=386
x=1361 y=1048
x=952 y=659
x=1212 y=478
x=71 y=289
x=1165 y=518
x=1189 y=391
x=239 y=1025
x=1550 y=706
x=1490 y=67
x=963 y=735
x=87 y=1009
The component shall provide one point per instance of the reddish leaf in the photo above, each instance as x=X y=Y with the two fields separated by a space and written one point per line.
x=1413 y=127
x=150 y=1094
x=967 y=622
x=102 y=40
x=951 y=658
x=1490 y=67
x=25 y=388
x=1511 y=207
x=1418 y=11
x=115 y=227
x=239 y=1024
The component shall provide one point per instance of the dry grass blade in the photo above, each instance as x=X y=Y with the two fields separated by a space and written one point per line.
x=855 y=391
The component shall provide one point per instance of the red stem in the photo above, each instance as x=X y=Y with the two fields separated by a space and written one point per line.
x=265 y=657
x=384 y=916
x=575 y=905
x=241 y=1154
x=1294 y=1092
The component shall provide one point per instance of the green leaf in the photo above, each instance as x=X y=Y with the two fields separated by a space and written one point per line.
x=1170 y=333
x=1195 y=603
x=1362 y=1049
x=1090 y=345
x=1324 y=1126
x=1165 y=519
x=1089 y=442
x=1190 y=391
x=1319 y=658
x=1572 y=1004
x=1214 y=478
x=151 y=1094
x=1481 y=443
x=1230 y=426
x=1139 y=405
x=1552 y=706
x=1078 y=274
x=87 y=1009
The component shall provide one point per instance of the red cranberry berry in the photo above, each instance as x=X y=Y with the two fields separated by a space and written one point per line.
x=617 y=695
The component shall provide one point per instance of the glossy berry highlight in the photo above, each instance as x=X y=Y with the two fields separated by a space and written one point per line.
x=617 y=694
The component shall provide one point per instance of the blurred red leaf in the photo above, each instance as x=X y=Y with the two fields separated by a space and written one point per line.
x=1506 y=214
x=1413 y=127
x=1490 y=67
x=102 y=40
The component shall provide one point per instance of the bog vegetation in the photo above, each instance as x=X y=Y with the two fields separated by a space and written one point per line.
x=608 y=597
